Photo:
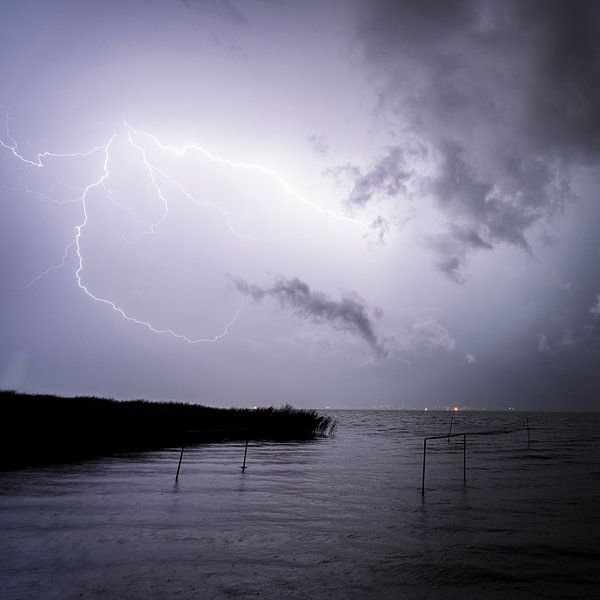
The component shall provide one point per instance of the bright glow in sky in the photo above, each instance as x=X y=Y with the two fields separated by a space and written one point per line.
x=350 y=204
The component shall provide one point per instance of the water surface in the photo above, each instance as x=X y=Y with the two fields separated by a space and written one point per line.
x=334 y=518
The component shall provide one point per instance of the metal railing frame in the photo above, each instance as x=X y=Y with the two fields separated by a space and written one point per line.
x=464 y=436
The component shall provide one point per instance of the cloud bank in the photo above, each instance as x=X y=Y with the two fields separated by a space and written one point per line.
x=502 y=97
x=350 y=313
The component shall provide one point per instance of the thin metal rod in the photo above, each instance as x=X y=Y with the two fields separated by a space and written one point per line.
x=180 y=459
x=245 y=454
x=465 y=457
x=464 y=437
x=424 y=455
x=197 y=431
x=450 y=430
x=491 y=432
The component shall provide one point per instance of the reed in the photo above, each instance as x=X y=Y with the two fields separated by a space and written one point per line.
x=43 y=429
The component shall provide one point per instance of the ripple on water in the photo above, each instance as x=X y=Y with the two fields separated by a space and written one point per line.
x=336 y=518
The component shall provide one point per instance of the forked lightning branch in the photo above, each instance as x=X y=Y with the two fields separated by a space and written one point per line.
x=155 y=175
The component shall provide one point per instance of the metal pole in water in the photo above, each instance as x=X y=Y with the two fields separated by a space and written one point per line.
x=180 y=458
x=450 y=430
x=465 y=457
x=245 y=454
x=424 y=455
x=528 y=438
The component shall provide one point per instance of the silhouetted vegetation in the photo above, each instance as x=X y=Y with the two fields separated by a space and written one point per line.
x=40 y=429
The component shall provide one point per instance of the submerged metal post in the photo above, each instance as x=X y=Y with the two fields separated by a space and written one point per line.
x=245 y=453
x=424 y=454
x=465 y=457
x=180 y=459
x=450 y=430
x=528 y=437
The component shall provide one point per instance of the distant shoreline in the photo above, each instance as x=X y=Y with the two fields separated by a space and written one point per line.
x=37 y=430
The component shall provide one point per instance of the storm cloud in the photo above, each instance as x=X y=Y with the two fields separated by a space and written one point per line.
x=452 y=248
x=350 y=313
x=422 y=338
x=387 y=177
x=503 y=96
x=462 y=135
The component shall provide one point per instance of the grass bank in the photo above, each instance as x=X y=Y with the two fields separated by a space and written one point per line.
x=41 y=429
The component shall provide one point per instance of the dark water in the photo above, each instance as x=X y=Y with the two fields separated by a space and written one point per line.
x=336 y=518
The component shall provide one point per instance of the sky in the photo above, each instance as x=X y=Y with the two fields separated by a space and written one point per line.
x=346 y=204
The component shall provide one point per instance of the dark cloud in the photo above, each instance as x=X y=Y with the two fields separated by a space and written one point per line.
x=350 y=313
x=452 y=248
x=570 y=327
x=388 y=176
x=490 y=213
x=504 y=97
x=530 y=66
x=379 y=226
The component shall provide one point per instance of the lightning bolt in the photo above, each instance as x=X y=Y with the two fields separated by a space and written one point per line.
x=155 y=175
x=49 y=197
x=79 y=228
x=116 y=203
x=153 y=170
x=249 y=167
x=53 y=268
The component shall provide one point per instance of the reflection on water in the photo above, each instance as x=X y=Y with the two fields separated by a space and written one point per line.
x=337 y=518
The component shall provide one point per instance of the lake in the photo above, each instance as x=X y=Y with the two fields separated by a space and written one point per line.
x=335 y=518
